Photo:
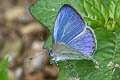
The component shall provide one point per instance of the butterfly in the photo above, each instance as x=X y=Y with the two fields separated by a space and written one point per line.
x=73 y=39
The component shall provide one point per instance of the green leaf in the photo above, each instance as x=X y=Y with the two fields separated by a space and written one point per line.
x=48 y=43
x=62 y=76
x=117 y=47
x=116 y=57
x=117 y=11
x=105 y=3
x=114 y=15
x=98 y=14
x=3 y=69
x=116 y=75
x=112 y=7
x=108 y=59
x=45 y=12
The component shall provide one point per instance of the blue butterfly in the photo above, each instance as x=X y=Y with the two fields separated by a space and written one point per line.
x=73 y=39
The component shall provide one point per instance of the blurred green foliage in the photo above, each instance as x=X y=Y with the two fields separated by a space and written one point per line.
x=3 y=69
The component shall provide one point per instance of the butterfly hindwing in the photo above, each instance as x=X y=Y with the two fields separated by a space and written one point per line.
x=85 y=42
x=68 y=24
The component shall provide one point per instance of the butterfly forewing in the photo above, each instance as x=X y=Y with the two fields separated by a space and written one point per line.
x=68 y=24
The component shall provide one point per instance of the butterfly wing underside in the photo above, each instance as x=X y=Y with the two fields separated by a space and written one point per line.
x=64 y=52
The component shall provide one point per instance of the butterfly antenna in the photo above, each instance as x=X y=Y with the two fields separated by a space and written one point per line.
x=35 y=56
x=31 y=58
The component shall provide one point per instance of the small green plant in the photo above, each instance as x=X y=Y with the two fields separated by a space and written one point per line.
x=3 y=69
x=104 y=17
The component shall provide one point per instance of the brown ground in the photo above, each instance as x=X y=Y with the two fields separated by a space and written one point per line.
x=22 y=37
